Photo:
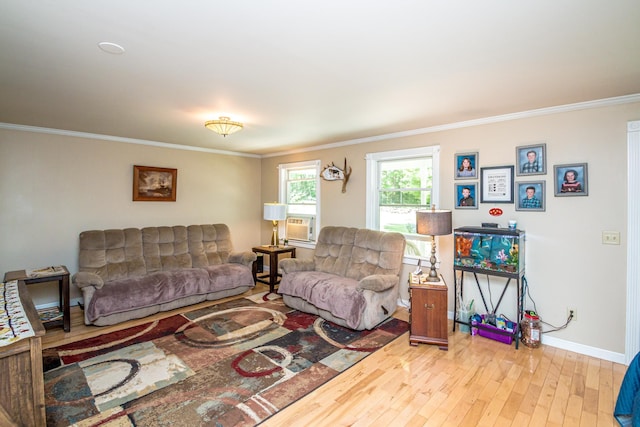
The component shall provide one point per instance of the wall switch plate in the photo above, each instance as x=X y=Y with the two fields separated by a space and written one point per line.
x=610 y=237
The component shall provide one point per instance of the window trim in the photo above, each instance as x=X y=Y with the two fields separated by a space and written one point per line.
x=372 y=191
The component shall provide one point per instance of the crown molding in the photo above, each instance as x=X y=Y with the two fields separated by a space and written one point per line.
x=74 y=134
x=627 y=99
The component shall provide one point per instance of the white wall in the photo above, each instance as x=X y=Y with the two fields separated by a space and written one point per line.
x=53 y=187
x=566 y=263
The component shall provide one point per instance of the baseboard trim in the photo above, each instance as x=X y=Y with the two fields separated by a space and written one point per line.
x=72 y=303
x=587 y=350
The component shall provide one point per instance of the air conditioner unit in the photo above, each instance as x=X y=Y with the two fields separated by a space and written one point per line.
x=300 y=227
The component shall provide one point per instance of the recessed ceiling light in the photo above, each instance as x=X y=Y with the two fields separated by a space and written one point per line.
x=112 y=48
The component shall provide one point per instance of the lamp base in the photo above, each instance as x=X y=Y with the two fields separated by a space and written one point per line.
x=432 y=279
x=274 y=236
x=433 y=274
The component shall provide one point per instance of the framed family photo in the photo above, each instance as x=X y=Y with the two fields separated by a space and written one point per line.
x=571 y=179
x=466 y=196
x=531 y=159
x=496 y=184
x=151 y=184
x=466 y=165
x=531 y=196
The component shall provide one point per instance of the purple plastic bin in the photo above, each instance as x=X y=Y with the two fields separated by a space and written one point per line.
x=489 y=331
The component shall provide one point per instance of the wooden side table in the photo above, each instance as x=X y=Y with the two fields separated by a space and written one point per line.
x=274 y=252
x=63 y=293
x=428 y=315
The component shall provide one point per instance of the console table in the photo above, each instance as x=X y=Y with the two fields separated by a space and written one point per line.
x=22 y=380
x=63 y=292
x=274 y=253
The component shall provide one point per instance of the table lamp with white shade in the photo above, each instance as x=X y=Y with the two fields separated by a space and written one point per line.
x=275 y=212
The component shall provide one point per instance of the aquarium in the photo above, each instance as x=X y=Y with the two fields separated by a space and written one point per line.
x=491 y=249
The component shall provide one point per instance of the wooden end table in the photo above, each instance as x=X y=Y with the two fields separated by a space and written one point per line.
x=274 y=252
x=63 y=293
x=428 y=315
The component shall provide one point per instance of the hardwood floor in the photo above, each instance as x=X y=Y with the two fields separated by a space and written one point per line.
x=478 y=382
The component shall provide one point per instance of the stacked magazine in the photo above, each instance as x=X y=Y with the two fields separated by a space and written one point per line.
x=49 y=314
x=45 y=271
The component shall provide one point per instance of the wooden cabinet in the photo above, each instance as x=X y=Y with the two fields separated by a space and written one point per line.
x=428 y=315
x=22 y=381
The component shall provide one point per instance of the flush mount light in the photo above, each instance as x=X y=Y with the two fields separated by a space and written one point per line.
x=223 y=126
x=112 y=48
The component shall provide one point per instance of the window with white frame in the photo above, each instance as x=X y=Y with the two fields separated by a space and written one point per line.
x=299 y=189
x=398 y=184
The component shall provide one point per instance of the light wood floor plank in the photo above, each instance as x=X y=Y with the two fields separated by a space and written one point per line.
x=478 y=382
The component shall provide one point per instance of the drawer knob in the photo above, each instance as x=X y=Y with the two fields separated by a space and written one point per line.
x=430 y=306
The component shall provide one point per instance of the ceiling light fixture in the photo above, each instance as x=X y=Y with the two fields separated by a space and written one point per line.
x=112 y=48
x=223 y=126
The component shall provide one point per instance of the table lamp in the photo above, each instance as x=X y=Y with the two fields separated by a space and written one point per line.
x=433 y=223
x=275 y=212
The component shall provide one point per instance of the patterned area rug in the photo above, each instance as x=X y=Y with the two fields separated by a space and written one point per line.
x=232 y=364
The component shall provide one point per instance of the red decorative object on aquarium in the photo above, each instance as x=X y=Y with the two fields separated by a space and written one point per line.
x=495 y=211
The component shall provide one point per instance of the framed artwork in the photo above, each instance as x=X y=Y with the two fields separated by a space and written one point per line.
x=466 y=165
x=496 y=184
x=531 y=159
x=530 y=196
x=571 y=180
x=151 y=184
x=466 y=196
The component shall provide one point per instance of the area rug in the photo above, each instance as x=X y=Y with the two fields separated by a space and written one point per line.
x=232 y=364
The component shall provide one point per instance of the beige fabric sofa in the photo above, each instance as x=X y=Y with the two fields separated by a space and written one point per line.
x=133 y=273
x=352 y=280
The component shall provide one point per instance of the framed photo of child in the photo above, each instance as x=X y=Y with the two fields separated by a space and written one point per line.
x=530 y=196
x=466 y=165
x=571 y=180
x=531 y=159
x=466 y=196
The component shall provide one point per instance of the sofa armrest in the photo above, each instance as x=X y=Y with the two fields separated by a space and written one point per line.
x=84 y=278
x=291 y=265
x=378 y=282
x=247 y=258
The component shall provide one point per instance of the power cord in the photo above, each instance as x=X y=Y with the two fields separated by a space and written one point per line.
x=555 y=328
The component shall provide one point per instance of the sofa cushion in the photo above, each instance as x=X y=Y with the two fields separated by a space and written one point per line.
x=166 y=248
x=131 y=293
x=112 y=254
x=226 y=276
x=336 y=294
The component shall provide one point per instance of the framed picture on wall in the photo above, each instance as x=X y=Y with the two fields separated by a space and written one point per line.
x=466 y=196
x=496 y=184
x=466 y=165
x=531 y=159
x=571 y=179
x=152 y=184
x=530 y=196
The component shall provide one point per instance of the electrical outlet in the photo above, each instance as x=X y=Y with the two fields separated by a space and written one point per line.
x=575 y=313
x=610 y=237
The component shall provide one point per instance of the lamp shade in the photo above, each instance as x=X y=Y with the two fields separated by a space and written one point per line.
x=275 y=211
x=433 y=222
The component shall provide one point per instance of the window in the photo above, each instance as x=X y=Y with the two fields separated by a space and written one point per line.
x=300 y=190
x=398 y=184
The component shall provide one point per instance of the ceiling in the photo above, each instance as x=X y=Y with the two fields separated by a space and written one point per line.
x=302 y=73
